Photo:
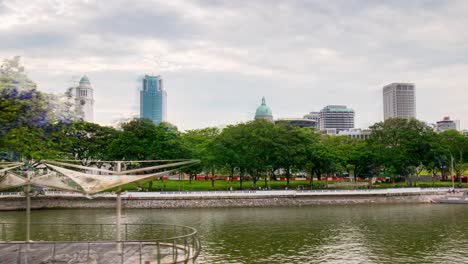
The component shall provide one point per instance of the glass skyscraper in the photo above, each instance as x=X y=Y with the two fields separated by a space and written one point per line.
x=153 y=99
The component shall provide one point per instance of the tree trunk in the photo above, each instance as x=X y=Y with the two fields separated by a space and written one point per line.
x=460 y=181
x=460 y=171
x=288 y=175
x=326 y=181
x=266 y=176
x=212 y=179
x=241 y=179
x=408 y=180
x=311 y=181
x=150 y=186
x=273 y=176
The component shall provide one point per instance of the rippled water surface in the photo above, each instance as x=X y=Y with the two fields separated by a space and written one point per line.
x=317 y=234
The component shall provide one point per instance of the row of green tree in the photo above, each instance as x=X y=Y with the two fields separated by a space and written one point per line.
x=35 y=125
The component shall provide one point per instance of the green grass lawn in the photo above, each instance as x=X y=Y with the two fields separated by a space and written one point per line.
x=221 y=185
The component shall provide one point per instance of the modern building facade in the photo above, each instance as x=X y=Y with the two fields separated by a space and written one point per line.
x=299 y=122
x=83 y=97
x=399 y=101
x=356 y=133
x=337 y=117
x=153 y=99
x=446 y=124
x=313 y=116
x=264 y=112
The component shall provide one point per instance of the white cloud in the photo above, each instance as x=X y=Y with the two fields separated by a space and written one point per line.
x=302 y=55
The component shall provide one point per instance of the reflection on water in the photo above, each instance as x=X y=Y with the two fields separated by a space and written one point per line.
x=317 y=234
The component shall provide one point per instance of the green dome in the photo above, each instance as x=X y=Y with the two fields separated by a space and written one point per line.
x=85 y=79
x=263 y=111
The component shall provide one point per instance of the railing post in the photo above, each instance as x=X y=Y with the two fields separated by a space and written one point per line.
x=186 y=249
x=159 y=253
x=28 y=209
x=119 y=212
x=87 y=258
x=173 y=251
x=18 y=259
x=53 y=252
x=140 y=253
x=193 y=245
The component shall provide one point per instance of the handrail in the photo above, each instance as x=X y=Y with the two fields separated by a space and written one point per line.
x=192 y=231
x=175 y=244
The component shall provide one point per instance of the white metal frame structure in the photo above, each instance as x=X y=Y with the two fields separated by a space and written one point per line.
x=67 y=175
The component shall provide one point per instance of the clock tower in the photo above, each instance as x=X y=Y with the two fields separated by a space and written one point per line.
x=84 y=100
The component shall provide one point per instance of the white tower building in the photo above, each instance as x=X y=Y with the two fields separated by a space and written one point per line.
x=84 y=100
x=399 y=101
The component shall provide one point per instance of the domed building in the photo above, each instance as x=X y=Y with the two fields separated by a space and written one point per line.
x=264 y=112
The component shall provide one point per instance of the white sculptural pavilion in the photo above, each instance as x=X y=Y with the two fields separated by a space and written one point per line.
x=62 y=177
x=66 y=175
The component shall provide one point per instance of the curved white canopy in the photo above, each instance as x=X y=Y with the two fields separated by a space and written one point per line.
x=70 y=180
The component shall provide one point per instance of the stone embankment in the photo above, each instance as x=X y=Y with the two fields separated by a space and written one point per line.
x=158 y=200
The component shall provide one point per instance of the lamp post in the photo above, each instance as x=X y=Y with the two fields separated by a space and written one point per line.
x=451 y=172
x=28 y=208
x=119 y=211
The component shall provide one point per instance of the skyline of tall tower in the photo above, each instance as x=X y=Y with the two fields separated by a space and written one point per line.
x=399 y=100
x=153 y=99
x=83 y=96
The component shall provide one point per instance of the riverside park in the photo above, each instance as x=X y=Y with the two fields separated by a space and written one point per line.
x=233 y=132
x=64 y=212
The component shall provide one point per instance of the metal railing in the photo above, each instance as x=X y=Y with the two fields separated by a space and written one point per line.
x=93 y=243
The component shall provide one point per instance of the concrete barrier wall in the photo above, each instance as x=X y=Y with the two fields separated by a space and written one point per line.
x=18 y=203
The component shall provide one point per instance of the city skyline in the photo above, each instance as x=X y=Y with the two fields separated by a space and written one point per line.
x=218 y=58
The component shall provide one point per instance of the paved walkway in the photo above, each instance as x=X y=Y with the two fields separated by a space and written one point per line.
x=277 y=193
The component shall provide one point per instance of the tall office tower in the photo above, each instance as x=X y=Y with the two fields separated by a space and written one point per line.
x=153 y=102
x=83 y=99
x=399 y=101
x=336 y=117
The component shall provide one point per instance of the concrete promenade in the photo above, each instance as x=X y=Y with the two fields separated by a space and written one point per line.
x=214 y=199
x=246 y=193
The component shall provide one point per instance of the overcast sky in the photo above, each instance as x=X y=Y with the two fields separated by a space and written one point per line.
x=218 y=58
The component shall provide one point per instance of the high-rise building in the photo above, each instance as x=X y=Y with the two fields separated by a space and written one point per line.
x=337 y=117
x=264 y=112
x=83 y=99
x=399 y=101
x=446 y=124
x=153 y=99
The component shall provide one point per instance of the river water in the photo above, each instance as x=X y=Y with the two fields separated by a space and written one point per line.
x=423 y=233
